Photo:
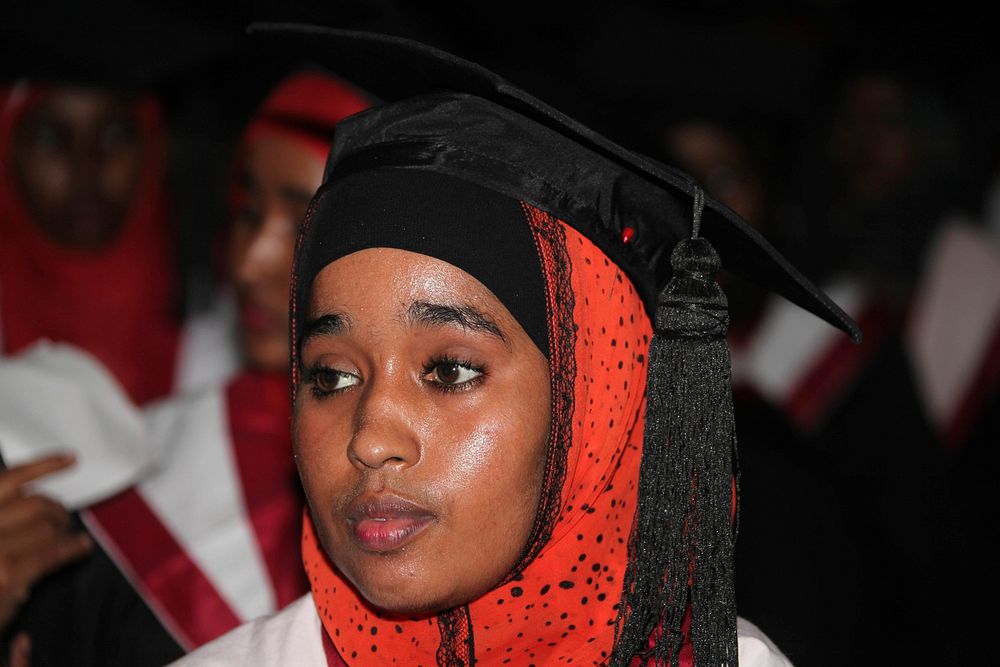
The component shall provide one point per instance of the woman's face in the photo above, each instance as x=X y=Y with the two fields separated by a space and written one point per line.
x=77 y=157
x=420 y=429
x=277 y=179
x=873 y=137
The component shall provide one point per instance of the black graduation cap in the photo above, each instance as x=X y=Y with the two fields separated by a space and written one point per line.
x=394 y=69
x=445 y=115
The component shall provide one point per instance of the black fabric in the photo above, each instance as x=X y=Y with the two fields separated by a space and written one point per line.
x=477 y=230
x=504 y=152
x=88 y=615
x=681 y=547
x=798 y=567
x=845 y=554
x=972 y=520
x=514 y=143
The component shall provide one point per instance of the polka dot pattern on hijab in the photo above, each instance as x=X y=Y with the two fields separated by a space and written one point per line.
x=560 y=603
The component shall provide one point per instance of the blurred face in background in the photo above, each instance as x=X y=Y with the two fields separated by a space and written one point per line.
x=77 y=158
x=717 y=159
x=277 y=178
x=873 y=137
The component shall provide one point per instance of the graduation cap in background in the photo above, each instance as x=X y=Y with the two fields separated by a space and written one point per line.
x=448 y=115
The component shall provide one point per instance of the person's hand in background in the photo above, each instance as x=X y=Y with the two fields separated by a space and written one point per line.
x=36 y=533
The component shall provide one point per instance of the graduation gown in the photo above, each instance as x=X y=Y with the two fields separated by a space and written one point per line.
x=207 y=541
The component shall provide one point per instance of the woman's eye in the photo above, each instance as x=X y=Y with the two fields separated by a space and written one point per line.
x=326 y=381
x=452 y=373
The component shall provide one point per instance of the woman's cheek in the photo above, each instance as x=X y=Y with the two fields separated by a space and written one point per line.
x=473 y=459
x=319 y=446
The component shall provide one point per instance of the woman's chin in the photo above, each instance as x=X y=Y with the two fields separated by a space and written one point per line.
x=404 y=601
x=411 y=598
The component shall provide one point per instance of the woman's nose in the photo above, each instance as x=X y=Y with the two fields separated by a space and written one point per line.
x=384 y=433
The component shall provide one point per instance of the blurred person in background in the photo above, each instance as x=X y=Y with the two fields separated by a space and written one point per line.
x=89 y=286
x=952 y=340
x=878 y=188
x=85 y=240
x=85 y=259
x=209 y=538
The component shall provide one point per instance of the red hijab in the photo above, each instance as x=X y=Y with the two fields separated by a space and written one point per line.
x=561 y=606
x=117 y=303
x=305 y=107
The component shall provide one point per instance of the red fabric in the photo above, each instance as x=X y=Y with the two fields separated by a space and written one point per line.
x=117 y=303
x=259 y=421
x=333 y=658
x=184 y=598
x=307 y=106
x=562 y=606
x=836 y=371
x=175 y=588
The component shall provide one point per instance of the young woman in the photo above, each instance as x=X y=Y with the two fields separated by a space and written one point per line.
x=473 y=354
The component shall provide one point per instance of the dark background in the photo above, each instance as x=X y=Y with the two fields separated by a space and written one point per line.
x=624 y=68
x=627 y=69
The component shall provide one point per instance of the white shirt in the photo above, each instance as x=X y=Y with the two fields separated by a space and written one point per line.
x=294 y=637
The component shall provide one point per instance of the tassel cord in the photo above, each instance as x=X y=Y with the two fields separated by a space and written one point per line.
x=681 y=546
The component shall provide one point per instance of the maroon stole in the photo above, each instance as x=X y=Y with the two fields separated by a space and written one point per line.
x=211 y=539
x=801 y=365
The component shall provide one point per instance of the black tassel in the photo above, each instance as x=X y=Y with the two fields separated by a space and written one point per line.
x=681 y=547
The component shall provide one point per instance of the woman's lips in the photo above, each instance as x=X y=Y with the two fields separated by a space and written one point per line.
x=385 y=523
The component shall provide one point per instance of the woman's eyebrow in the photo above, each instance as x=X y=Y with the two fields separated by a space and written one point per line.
x=465 y=316
x=329 y=324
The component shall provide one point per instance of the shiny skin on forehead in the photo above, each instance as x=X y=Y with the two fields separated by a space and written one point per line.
x=428 y=295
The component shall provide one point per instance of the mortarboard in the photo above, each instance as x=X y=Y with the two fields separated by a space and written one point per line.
x=394 y=69
x=445 y=115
